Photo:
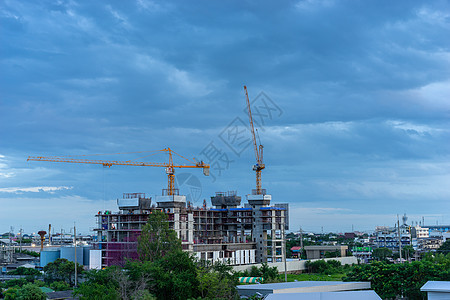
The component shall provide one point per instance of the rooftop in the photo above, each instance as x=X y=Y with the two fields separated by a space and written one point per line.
x=347 y=295
x=436 y=286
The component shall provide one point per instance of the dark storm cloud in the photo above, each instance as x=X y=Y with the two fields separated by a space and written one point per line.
x=363 y=89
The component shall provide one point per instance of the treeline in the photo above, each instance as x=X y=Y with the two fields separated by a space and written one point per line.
x=390 y=280
x=58 y=276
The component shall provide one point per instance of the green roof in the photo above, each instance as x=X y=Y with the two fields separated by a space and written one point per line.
x=46 y=289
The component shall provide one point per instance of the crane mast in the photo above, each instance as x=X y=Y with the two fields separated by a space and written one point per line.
x=170 y=166
x=259 y=166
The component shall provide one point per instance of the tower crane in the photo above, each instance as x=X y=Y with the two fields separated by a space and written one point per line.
x=170 y=166
x=259 y=166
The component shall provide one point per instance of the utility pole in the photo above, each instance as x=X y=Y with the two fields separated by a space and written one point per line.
x=399 y=239
x=75 y=250
x=49 y=234
x=301 y=242
x=20 y=241
x=284 y=253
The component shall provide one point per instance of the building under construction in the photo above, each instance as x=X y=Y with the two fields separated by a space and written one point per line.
x=226 y=232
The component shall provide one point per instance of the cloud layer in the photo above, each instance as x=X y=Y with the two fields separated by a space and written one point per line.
x=363 y=89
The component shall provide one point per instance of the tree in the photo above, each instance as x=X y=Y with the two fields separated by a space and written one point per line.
x=24 y=271
x=11 y=293
x=62 y=270
x=216 y=281
x=392 y=280
x=92 y=290
x=407 y=252
x=99 y=284
x=31 y=292
x=157 y=239
x=445 y=247
x=18 y=282
x=269 y=274
x=174 y=276
x=381 y=253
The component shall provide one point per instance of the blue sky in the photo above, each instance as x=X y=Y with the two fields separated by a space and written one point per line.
x=353 y=107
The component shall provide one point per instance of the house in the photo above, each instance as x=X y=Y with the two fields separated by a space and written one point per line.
x=296 y=251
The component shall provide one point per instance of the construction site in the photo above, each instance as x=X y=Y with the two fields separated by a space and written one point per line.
x=229 y=231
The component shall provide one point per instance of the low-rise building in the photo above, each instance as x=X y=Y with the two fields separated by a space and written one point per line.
x=388 y=237
x=317 y=252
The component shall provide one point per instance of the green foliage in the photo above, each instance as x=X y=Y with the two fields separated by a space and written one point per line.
x=100 y=284
x=62 y=270
x=216 y=281
x=407 y=252
x=381 y=253
x=11 y=293
x=92 y=290
x=31 y=292
x=19 y=282
x=270 y=274
x=313 y=277
x=391 y=280
x=31 y=253
x=445 y=247
x=156 y=238
x=39 y=283
x=164 y=271
x=175 y=276
x=24 y=271
x=438 y=258
x=324 y=267
x=332 y=254
x=59 y=286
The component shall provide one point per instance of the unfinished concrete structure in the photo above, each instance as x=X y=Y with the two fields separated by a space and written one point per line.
x=226 y=232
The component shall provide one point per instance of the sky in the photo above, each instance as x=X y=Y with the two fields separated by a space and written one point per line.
x=350 y=99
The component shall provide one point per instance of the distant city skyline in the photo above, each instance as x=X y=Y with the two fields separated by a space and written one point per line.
x=351 y=102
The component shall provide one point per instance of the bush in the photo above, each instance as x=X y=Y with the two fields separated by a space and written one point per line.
x=324 y=267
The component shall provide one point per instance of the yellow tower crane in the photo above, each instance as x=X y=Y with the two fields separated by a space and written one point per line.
x=259 y=166
x=170 y=166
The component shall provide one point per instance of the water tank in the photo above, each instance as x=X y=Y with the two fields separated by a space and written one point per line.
x=48 y=256
x=69 y=254
x=86 y=250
